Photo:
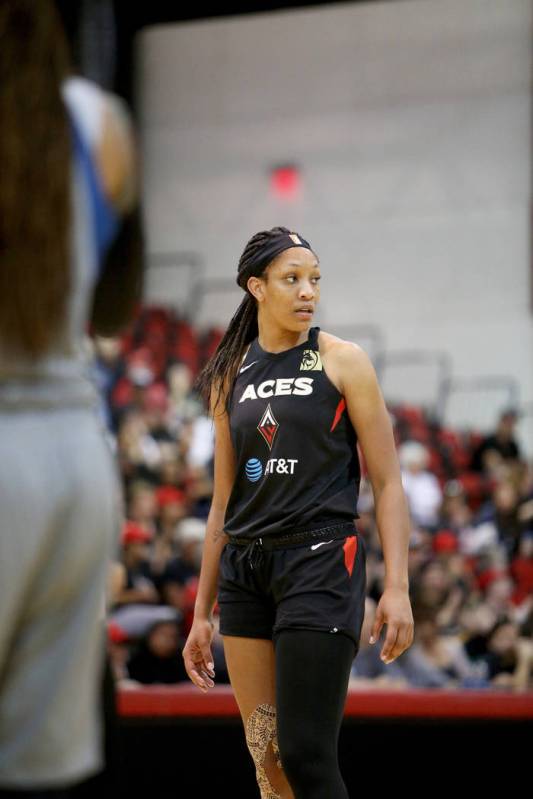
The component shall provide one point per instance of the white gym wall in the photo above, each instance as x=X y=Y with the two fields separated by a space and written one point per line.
x=410 y=122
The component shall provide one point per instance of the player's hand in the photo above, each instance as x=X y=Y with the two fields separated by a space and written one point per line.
x=394 y=610
x=197 y=654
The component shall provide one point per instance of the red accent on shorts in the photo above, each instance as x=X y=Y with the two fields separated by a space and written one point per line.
x=350 y=550
x=338 y=413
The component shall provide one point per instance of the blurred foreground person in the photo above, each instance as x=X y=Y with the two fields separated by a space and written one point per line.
x=68 y=176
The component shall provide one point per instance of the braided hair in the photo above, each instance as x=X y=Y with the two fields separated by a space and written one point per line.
x=242 y=329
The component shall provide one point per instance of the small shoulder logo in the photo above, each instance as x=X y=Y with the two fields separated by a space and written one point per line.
x=311 y=360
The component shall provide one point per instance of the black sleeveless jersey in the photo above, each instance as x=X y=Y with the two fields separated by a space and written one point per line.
x=297 y=466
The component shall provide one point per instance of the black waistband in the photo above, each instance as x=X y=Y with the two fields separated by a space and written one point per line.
x=339 y=530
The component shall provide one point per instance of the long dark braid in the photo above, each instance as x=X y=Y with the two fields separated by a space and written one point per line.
x=224 y=363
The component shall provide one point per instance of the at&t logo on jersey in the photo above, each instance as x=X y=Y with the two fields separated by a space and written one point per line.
x=254 y=467
x=281 y=465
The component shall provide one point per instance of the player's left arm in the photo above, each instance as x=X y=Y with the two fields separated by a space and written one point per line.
x=370 y=418
x=119 y=289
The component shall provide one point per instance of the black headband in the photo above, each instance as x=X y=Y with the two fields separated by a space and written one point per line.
x=281 y=242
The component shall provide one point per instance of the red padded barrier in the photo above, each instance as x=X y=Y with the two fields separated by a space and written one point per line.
x=188 y=701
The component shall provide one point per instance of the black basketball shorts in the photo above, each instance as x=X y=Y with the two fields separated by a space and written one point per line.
x=317 y=585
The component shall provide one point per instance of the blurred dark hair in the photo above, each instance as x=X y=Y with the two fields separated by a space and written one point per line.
x=220 y=371
x=35 y=158
x=502 y=621
x=423 y=613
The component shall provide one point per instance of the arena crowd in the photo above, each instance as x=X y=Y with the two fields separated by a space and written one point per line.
x=471 y=549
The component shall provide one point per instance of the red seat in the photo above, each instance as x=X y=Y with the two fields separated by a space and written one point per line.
x=476 y=488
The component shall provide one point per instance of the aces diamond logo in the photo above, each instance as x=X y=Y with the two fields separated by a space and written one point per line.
x=268 y=426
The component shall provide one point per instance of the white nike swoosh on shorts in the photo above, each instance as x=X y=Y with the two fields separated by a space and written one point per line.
x=244 y=368
x=315 y=546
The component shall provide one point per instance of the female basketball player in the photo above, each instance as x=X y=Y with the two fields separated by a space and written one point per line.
x=66 y=160
x=289 y=403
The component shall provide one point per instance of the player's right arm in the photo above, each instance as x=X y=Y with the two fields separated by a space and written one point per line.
x=197 y=651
